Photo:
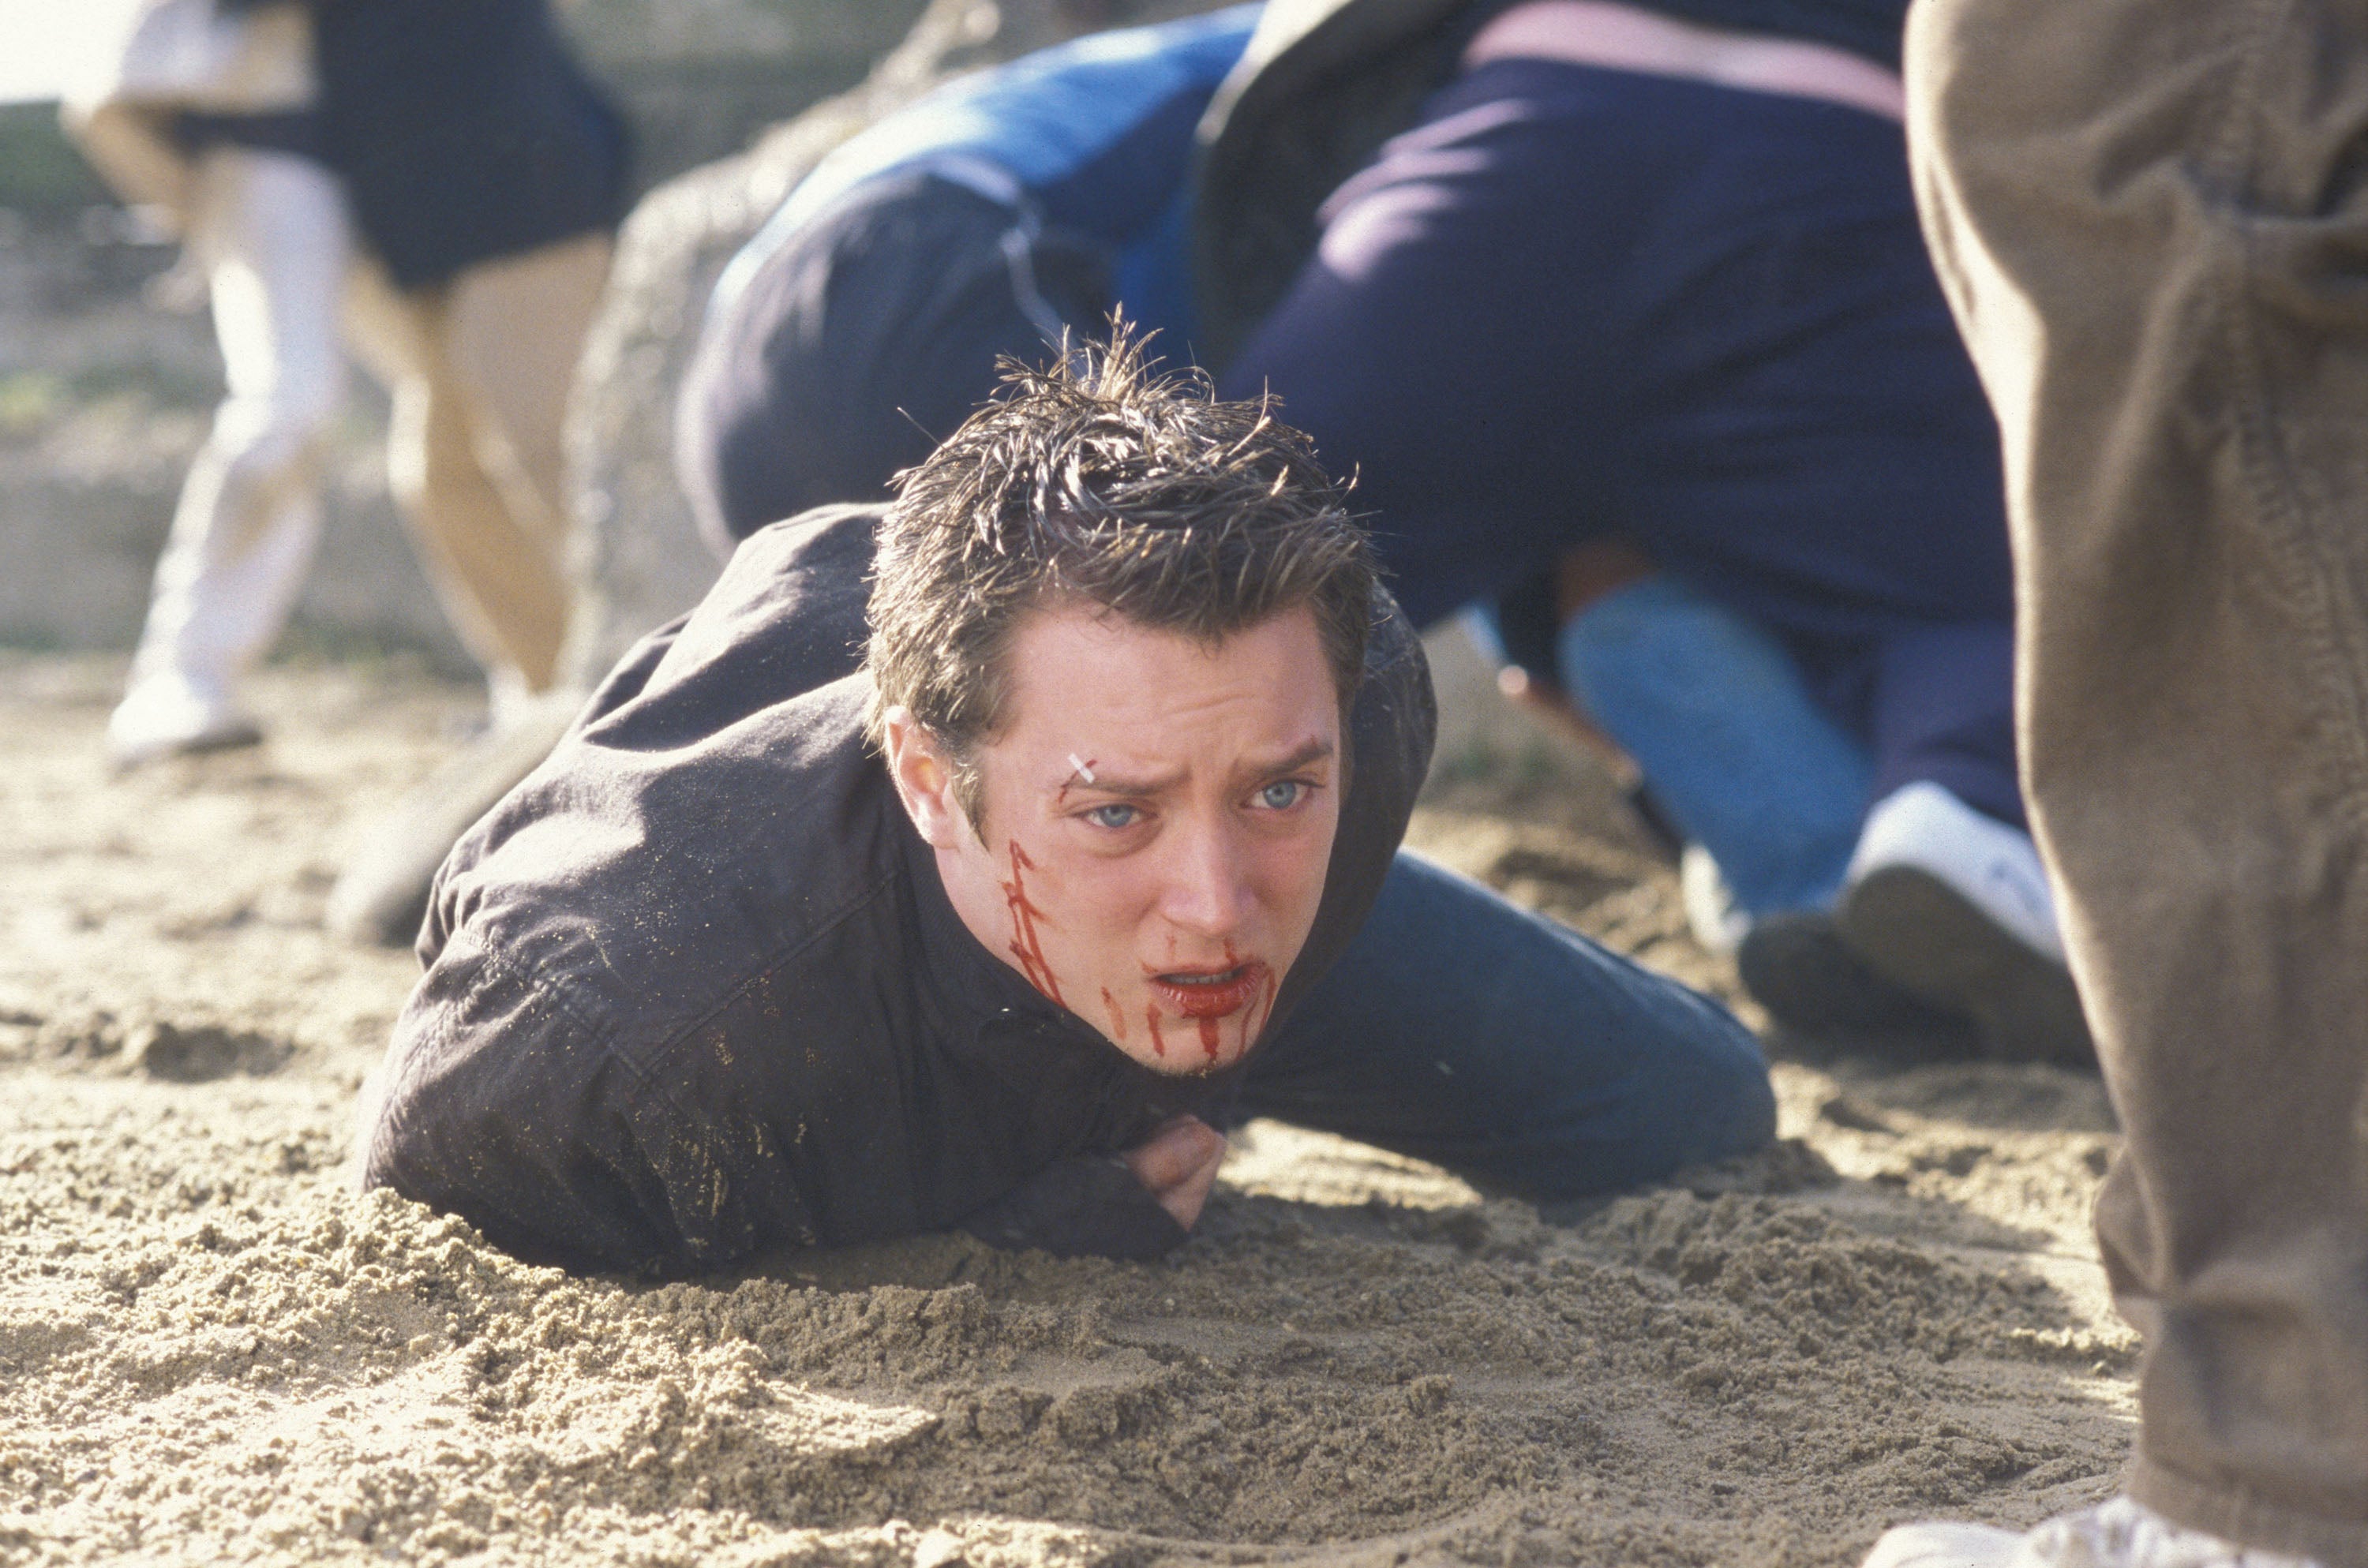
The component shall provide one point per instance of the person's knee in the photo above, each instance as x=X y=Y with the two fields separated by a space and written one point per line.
x=1704 y=1097
x=1713 y=1102
x=270 y=444
x=1700 y=1093
x=698 y=459
x=735 y=457
x=1704 y=1111
x=1722 y=720
x=1733 y=1104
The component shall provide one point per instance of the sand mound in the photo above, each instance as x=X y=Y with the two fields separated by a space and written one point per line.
x=210 y=1349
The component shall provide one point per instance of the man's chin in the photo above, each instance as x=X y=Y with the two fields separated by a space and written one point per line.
x=1201 y=1065
x=1189 y=1024
x=1185 y=1046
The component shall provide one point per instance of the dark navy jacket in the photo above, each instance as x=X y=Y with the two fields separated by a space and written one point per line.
x=1093 y=137
x=1323 y=82
x=694 y=989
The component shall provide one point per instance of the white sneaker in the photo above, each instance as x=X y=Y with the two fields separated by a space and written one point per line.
x=2118 y=1534
x=1717 y=921
x=1954 y=907
x=173 y=712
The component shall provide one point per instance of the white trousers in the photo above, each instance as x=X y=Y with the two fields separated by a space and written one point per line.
x=271 y=233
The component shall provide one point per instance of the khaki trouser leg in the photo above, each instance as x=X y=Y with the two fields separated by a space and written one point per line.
x=480 y=370
x=2153 y=221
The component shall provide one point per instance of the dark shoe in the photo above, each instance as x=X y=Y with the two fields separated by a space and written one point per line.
x=382 y=895
x=1924 y=936
x=1828 y=1001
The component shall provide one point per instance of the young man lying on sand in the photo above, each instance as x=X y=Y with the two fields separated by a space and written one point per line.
x=979 y=909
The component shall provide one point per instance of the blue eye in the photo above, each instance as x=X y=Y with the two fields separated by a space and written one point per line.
x=1282 y=795
x=1114 y=816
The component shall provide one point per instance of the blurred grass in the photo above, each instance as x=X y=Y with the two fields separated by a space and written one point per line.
x=33 y=400
x=40 y=170
x=29 y=400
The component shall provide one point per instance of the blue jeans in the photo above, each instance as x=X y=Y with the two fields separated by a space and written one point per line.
x=1462 y=1029
x=1717 y=714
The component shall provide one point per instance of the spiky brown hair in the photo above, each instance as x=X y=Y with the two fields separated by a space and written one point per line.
x=1097 y=482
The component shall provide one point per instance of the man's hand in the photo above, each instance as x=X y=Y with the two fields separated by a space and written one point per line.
x=1093 y=1205
x=1177 y=1165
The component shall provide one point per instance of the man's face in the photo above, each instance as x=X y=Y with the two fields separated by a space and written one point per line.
x=1158 y=816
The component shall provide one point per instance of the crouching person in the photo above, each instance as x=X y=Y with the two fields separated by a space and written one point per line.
x=968 y=862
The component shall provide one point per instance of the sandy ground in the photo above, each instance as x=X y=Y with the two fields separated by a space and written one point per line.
x=210 y=1351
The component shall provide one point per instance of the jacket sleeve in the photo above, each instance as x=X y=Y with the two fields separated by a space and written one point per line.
x=1090 y=1206
x=502 y=1105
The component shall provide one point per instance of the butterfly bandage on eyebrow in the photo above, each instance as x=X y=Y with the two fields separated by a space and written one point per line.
x=1083 y=772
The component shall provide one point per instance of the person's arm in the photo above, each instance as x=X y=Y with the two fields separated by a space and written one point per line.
x=503 y=1105
x=1089 y=1207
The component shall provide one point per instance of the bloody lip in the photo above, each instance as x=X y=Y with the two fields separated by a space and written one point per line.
x=1211 y=994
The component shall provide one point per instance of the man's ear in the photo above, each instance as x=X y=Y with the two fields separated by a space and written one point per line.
x=923 y=776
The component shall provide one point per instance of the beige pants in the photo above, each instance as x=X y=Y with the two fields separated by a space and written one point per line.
x=2152 y=219
x=480 y=370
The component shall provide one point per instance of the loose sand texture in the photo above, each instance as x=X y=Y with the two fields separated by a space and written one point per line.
x=210 y=1349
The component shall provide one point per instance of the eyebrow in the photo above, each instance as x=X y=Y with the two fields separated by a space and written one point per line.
x=1108 y=783
x=1314 y=750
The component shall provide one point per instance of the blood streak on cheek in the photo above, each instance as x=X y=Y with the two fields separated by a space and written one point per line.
x=1118 y=1018
x=1026 y=945
x=1158 y=1045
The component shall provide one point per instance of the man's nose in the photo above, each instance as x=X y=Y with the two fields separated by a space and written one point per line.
x=1207 y=887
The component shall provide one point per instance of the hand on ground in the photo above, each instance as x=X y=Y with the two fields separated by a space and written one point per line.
x=1177 y=1165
